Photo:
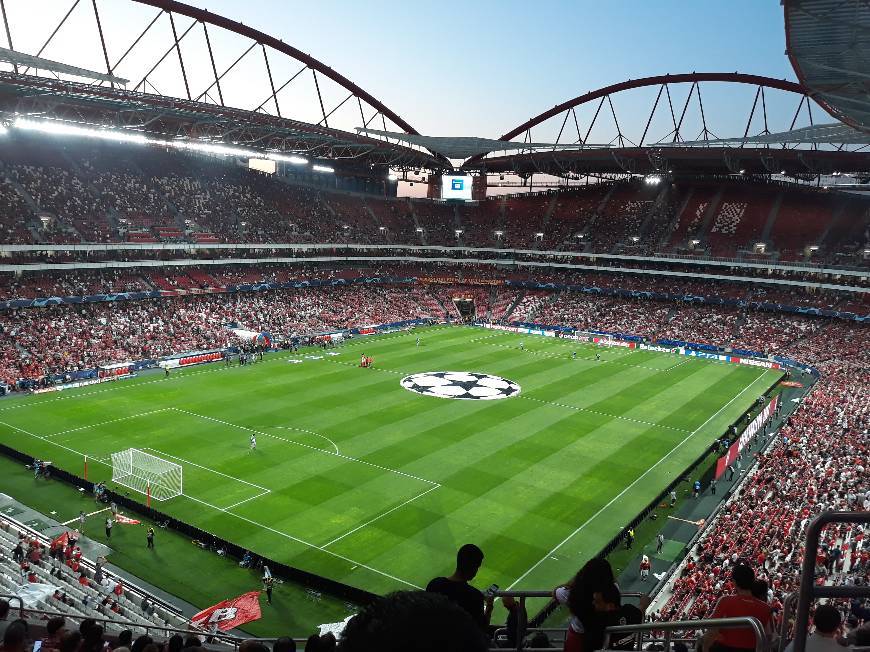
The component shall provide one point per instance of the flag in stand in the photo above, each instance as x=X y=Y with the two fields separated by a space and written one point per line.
x=60 y=542
x=230 y=613
x=124 y=520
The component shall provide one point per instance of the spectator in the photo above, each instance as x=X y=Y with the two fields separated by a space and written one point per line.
x=595 y=577
x=742 y=603
x=317 y=643
x=175 y=643
x=827 y=621
x=516 y=621
x=125 y=638
x=144 y=641
x=71 y=642
x=457 y=588
x=14 y=638
x=4 y=616
x=609 y=612
x=55 y=629
x=413 y=620
x=284 y=644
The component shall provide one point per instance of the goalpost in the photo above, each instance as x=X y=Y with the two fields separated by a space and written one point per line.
x=148 y=474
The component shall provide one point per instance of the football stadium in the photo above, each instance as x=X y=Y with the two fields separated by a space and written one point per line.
x=279 y=371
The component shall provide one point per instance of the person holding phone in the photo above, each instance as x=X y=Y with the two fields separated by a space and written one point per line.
x=457 y=588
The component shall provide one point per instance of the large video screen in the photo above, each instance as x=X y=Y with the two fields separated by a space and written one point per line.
x=455 y=187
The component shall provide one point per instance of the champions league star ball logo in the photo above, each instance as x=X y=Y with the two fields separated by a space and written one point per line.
x=466 y=386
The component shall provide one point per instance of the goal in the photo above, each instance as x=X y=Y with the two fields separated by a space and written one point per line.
x=147 y=474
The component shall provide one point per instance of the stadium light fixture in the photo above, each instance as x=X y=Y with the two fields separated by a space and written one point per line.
x=295 y=160
x=499 y=233
x=115 y=135
x=813 y=247
x=392 y=176
x=742 y=171
x=382 y=228
x=322 y=168
x=782 y=172
x=458 y=232
x=694 y=242
x=539 y=235
x=419 y=230
x=62 y=129
x=635 y=238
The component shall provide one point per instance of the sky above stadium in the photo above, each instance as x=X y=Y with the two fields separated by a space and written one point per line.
x=483 y=67
x=470 y=69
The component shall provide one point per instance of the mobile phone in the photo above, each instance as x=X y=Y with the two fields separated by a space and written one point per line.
x=491 y=590
x=37 y=645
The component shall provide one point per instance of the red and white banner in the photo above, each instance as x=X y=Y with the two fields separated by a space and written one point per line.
x=230 y=613
x=124 y=520
x=757 y=423
x=61 y=541
x=607 y=341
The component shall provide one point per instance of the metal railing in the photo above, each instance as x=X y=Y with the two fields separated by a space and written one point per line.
x=808 y=591
x=522 y=621
x=151 y=629
x=668 y=628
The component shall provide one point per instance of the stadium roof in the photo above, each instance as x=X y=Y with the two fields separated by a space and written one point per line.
x=463 y=147
x=828 y=42
x=828 y=134
x=157 y=115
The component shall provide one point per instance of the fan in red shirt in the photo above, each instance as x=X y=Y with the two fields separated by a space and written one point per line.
x=732 y=606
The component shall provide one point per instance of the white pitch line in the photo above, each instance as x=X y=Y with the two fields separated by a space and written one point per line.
x=314 y=448
x=380 y=516
x=305 y=543
x=74 y=520
x=205 y=468
x=54 y=443
x=603 y=414
x=639 y=478
x=246 y=500
x=334 y=445
x=105 y=423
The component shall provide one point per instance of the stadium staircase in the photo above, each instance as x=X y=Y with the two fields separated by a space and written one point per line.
x=661 y=198
x=772 y=217
x=548 y=213
x=83 y=600
x=422 y=233
x=509 y=310
x=709 y=214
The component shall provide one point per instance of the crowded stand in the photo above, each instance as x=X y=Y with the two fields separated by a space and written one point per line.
x=816 y=463
x=96 y=194
x=93 y=193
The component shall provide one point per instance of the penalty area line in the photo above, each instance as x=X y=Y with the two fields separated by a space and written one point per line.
x=629 y=487
x=106 y=423
x=226 y=511
x=309 y=447
x=380 y=516
x=205 y=468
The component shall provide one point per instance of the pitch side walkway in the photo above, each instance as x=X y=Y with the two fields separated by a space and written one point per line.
x=90 y=549
x=680 y=524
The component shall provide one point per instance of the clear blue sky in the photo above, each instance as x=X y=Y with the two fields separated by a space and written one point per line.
x=482 y=67
x=475 y=68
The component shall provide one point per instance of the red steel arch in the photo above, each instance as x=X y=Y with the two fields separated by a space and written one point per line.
x=217 y=20
x=694 y=77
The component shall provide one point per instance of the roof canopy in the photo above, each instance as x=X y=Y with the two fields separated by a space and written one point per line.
x=463 y=147
x=828 y=42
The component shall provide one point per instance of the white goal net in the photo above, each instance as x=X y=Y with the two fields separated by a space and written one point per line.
x=147 y=474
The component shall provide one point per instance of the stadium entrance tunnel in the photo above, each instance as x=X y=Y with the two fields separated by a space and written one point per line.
x=462 y=385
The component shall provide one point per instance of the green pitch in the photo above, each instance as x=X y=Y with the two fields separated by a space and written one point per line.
x=360 y=480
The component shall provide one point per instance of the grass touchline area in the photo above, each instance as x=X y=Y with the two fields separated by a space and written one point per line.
x=357 y=479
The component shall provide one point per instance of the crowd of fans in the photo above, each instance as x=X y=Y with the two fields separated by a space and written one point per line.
x=817 y=463
x=106 y=192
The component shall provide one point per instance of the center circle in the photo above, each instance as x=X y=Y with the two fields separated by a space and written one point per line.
x=462 y=385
